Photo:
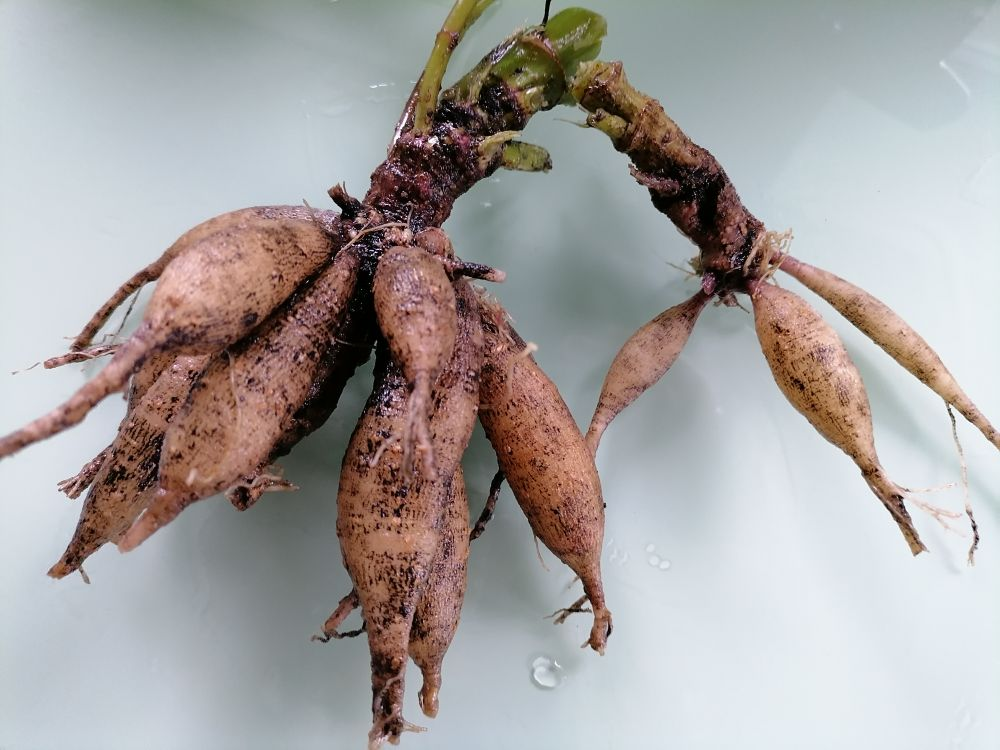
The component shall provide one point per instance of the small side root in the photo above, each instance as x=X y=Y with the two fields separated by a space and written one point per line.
x=74 y=486
x=330 y=628
x=767 y=253
x=83 y=355
x=131 y=286
x=417 y=433
x=382 y=448
x=387 y=710
x=476 y=271
x=111 y=379
x=941 y=515
x=561 y=615
x=538 y=554
x=965 y=487
x=268 y=479
x=491 y=503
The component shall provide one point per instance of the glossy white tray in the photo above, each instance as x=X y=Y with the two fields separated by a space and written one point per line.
x=762 y=597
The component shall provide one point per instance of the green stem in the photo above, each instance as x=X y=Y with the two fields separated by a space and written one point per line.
x=463 y=14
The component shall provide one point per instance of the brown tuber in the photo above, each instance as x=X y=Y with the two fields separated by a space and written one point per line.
x=415 y=305
x=545 y=459
x=246 y=400
x=261 y=316
x=209 y=296
x=817 y=376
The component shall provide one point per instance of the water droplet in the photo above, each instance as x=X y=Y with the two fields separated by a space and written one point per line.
x=547 y=673
x=654 y=560
x=650 y=548
x=664 y=564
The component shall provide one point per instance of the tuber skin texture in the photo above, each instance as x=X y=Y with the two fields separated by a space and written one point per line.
x=249 y=294
x=388 y=534
x=814 y=371
x=737 y=254
x=882 y=325
x=186 y=243
x=126 y=481
x=208 y=297
x=436 y=619
x=389 y=523
x=143 y=379
x=642 y=361
x=415 y=306
x=246 y=400
x=545 y=459
x=351 y=348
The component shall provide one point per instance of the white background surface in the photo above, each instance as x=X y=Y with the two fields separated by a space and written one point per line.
x=791 y=615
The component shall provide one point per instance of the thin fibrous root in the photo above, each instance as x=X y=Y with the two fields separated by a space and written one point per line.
x=561 y=615
x=892 y=497
x=601 y=628
x=689 y=271
x=330 y=628
x=82 y=355
x=382 y=448
x=140 y=279
x=937 y=513
x=370 y=229
x=390 y=725
x=269 y=479
x=29 y=368
x=768 y=250
x=491 y=503
x=74 y=486
x=112 y=378
x=965 y=487
x=476 y=271
x=538 y=554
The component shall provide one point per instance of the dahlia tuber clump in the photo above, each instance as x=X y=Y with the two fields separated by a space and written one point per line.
x=260 y=316
x=739 y=255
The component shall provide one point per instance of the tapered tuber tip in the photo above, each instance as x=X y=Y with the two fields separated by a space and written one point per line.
x=60 y=570
x=600 y=631
x=892 y=496
x=164 y=509
x=428 y=697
